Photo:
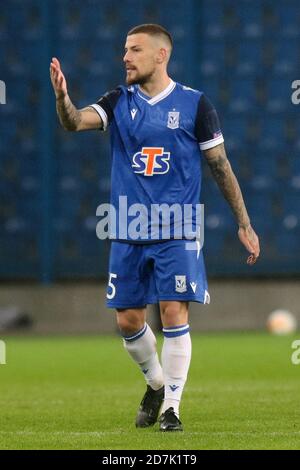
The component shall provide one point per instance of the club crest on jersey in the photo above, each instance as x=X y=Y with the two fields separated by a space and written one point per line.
x=173 y=119
x=180 y=284
x=151 y=161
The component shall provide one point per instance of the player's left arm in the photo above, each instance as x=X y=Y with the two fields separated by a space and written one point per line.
x=223 y=174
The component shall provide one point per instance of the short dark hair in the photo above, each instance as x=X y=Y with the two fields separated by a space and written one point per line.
x=152 y=30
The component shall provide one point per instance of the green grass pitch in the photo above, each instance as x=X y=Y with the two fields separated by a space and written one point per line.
x=83 y=393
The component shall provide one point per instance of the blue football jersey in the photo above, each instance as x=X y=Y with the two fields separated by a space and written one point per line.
x=156 y=148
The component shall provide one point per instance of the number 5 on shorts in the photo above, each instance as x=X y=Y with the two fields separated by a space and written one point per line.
x=112 y=286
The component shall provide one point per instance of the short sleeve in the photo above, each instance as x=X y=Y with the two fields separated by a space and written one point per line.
x=105 y=106
x=207 y=129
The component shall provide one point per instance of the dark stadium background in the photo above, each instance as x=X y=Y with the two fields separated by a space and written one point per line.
x=243 y=54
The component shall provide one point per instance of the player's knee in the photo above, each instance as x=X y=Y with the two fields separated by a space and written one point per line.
x=174 y=313
x=125 y=325
x=128 y=322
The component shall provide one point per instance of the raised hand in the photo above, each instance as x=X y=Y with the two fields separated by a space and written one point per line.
x=58 y=79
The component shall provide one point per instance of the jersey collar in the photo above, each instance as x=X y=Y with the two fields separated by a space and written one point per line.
x=162 y=95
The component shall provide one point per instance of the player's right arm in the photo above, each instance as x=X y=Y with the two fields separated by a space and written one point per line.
x=71 y=118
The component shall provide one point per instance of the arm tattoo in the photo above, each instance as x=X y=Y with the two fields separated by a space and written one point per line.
x=228 y=184
x=69 y=116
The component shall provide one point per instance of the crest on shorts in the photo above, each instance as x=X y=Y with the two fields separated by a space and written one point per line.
x=180 y=284
x=173 y=119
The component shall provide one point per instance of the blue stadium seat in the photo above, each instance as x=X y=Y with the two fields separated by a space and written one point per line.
x=211 y=58
x=287 y=244
x=279 y=95
x=249 y=58
x=217 y=214
x=94 y=87
x=70 y=18
x=211 y=87
x=213 y=242
x=9 y=128
x=242 y=96
x=259 y=203
x=18 y=14
x=287 y=58
x=289 y=15
x=295 y=164
x=68 y=54
x=250 y=13
x=234 y=129
x=212 y=19
x=272 y=140
x=291 y=222
x=264 y=165
x=263 y=182
x=290 y=202
x=4 y=29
